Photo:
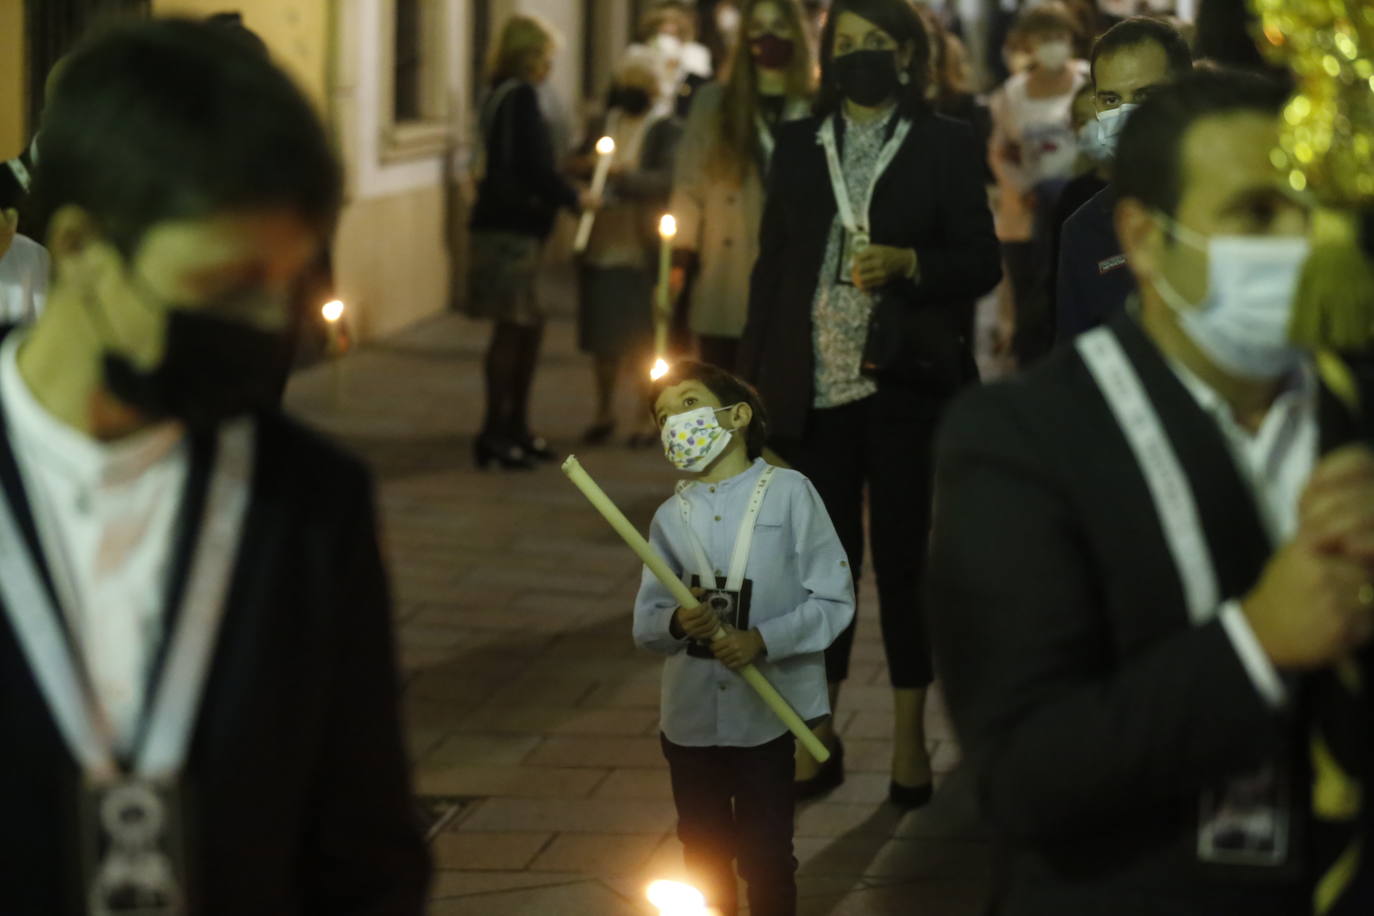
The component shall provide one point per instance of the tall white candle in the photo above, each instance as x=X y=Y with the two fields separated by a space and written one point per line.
x=605 y=152
x=663 y=311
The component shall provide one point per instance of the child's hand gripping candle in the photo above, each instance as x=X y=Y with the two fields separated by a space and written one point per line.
x=768 y=590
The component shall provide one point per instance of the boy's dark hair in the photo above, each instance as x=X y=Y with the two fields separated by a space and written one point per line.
x=730 y=389
x=1045 y=19
x=1141 y=30
x=900 y=20
x=173 y=119
x=1149 y=159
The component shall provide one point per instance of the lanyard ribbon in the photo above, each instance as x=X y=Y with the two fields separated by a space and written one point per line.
x=170 y=710
x=848 y=213
x=744 y=540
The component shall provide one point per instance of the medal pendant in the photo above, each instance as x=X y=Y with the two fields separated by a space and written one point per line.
x=132 y=864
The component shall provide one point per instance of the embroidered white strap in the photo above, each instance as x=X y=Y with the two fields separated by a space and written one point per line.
x=1168 y=484
x=849 y=214
x=80 y=717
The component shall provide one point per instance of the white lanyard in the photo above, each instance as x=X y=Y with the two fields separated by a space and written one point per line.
x=744 y=540
x=847 y=211
x=171 y=712
x=1169 y=486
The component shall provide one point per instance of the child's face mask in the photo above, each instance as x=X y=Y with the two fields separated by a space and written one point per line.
x=694 y=439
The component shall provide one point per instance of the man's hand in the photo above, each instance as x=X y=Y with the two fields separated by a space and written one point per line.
x=1311 y=607
x=879 y=265
x=9 y=225
x=1337 y=506
x=677 y=279
x=738 y=648
x=700 y=622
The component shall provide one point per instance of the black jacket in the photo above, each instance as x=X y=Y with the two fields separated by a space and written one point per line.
x=1093 y=280
x=522 y=189
x=1093 y=712
x=297 y=782
x=931 y=198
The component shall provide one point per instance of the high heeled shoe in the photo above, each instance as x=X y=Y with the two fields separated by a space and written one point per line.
x=507 y=454
x=536 y=447
x=910 y=798
x=827 y=778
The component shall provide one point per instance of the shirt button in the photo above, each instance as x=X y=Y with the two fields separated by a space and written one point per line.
x=722 y=686
x=713 y=489
x=717 y=518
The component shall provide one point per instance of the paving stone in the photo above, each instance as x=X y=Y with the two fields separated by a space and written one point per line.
x=636 y=783
x=450 y=883
x=560 y=720
x=828 y=819
x=570 y=816
x=598 y=854
x=476 y=750
x=473 y=852
x=512 y=782
x=571 y=751
x=586 y=898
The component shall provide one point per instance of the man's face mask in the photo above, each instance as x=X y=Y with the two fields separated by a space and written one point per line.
x=213 y=368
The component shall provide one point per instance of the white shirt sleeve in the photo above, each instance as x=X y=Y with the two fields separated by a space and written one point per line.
x=1252 y=655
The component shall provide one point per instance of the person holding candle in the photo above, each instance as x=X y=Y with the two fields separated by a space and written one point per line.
x=718 y=185
x=876 y=240
x=519 y=196
x=757 y=545
x=616 y=271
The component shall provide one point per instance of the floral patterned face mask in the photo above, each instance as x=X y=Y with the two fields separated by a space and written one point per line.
x=694 y=439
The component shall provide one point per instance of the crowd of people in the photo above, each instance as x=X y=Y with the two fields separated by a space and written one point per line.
x=1142 y=567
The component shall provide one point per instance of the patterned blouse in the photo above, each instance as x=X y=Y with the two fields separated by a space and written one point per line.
x=840 y=311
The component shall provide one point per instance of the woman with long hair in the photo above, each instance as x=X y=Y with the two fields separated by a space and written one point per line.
x=520 y=193
x=876 y=240
x=725 y=154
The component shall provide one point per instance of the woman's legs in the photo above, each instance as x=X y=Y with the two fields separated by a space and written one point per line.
x=502 y=366
x=605 y=371
x=900 y=432
x=529 y=340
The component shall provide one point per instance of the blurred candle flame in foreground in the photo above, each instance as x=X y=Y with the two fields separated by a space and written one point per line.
x=659 y=370
x=667 y=226
x=674 y=898
x=333 y=310
x=605 y=146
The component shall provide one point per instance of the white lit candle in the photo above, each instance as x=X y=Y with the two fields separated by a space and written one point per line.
x=605 y=152
x=333 y=312
x=673 y=898
x=663 y=313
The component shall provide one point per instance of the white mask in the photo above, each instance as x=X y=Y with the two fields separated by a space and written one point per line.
x=694 y=439
x=1112 y=122
x=1053 y=54
x=1092 y=144
x=1242 y=323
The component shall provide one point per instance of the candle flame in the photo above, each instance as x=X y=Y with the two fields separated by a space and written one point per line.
x=674 y=898
x=333 y=310
x=605 y=146
x=667 y=226
x=659 y=370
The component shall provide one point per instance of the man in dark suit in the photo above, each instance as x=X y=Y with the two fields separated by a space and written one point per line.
x=197 y=682
x=1151 y=563
x=1131 y=59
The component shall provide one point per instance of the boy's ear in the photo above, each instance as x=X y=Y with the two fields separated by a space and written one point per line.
x=744 y=414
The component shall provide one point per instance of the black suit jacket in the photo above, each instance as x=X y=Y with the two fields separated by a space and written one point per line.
x=931 y=198
x=1093 y=712
x=298 y=788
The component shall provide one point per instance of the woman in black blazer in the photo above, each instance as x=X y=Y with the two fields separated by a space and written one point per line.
x=853 y=331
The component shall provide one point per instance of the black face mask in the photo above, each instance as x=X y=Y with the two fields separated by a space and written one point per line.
x=213 y=369
x=866 y=78
x=631 y=100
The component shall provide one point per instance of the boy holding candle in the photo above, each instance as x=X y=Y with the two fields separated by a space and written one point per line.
x=757 y=546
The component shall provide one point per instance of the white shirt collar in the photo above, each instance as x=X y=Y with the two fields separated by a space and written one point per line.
x=67 y=451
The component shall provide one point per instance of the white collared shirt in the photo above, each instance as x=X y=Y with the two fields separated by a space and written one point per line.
x=1275 y=462
x=803 y=598
x=105 y=514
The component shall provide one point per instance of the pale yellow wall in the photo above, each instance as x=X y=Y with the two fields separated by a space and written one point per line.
x=390 y=263
x=296 y=31
x=12 y=74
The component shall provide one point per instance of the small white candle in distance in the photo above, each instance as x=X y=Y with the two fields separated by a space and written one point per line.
x=605 y=152
x=663 y=312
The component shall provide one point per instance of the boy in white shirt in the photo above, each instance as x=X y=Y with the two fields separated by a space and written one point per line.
x=757 y=546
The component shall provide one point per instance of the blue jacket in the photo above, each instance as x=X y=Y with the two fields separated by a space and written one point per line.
x=1094 y=281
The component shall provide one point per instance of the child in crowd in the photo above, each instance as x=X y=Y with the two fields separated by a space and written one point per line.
x=759 y=550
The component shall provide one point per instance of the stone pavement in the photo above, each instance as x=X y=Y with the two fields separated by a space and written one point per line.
x=525 y=697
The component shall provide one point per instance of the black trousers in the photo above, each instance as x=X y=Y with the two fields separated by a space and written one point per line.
x=735 y=803
x=719 y=351
x=883 y=442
